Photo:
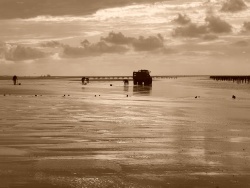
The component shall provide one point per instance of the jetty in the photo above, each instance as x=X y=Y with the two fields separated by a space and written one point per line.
x=122 y=78
x=237 y=79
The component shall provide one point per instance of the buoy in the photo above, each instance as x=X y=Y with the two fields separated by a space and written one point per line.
x=234 y=97
x=110 y=84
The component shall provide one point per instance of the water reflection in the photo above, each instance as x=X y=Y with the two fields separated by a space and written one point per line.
x=126 y=88
x=142 y=90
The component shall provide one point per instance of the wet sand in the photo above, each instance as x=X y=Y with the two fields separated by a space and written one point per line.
x=144 y=140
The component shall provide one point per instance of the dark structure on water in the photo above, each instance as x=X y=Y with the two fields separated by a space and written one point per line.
x=238 y=79
x=142 y=77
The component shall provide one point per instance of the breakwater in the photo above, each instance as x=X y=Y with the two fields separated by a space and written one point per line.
x=237 y=79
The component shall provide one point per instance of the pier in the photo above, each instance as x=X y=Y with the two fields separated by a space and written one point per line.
x=238 y=79
x=121 y=78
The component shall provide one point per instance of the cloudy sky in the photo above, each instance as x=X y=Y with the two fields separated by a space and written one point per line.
x=116 y=37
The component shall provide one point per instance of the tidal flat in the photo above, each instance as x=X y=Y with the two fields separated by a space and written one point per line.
x=185 y=132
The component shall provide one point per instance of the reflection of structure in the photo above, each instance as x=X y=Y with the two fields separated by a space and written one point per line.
x=126 y=88
x=126 y=82
x=142 y=77
x=142 y=89
x=238 y=79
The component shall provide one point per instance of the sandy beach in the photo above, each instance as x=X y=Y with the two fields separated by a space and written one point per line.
x=59 y=133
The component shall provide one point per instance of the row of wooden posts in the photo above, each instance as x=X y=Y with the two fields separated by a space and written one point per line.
x=238 y=79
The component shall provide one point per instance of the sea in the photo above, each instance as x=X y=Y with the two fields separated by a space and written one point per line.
x=179 y=132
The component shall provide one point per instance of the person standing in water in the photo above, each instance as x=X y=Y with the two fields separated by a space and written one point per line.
x=14 y=79
x=83 y=79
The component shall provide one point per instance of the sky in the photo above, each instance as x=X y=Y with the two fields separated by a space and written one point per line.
x=117 y=37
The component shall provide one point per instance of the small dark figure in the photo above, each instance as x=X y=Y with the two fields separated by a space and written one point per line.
x=127 y=95
x=196 y=97
x=83 y=79
x=233 y=97
x=110 y=84
x=14 y=79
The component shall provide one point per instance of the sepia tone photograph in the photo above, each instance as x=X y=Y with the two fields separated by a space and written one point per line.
x=124 y=93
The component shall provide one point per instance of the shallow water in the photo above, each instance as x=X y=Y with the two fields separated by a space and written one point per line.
x=73 y=135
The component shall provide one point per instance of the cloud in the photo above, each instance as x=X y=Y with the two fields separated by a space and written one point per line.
x=2 y=47
x=213 y=25
x=241 y=43
x=51 y=44
x=85 y=43
x=191 y=30
x=210 y=37
x=216 y=25
x=148 y=44
x=92 y=49
x=115 y=43
x=246 y=27
x=233 y=6
x=20 y=53
x=117 y=38
x=182 y=19
x=31 y=8
x=102 y=47
x=139 y=44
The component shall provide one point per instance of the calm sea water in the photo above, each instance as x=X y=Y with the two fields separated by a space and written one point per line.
x=97 y=135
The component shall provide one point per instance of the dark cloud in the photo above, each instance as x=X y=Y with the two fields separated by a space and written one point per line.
x=139 y=44
x=102 y=47
x=32 y=8
x=191 y=30
x=92 y=49
x=85 y=43
x=246 y=27
x=2 y=47
x=213 y=25
x=20 y=53
x=241 y=43
x=115 y=43
x=233 y=6
x=117 y=38
x=210 y=37
x=216 y=25
x=51 y=44
x=182 y=19
x=148 y=44
x=69 y=51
